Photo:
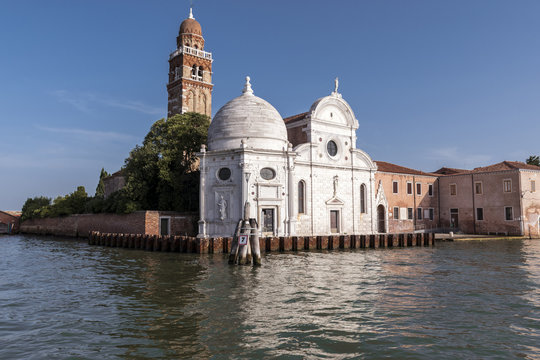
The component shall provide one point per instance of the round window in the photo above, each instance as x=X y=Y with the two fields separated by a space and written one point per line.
x=331 y=147
x=267 y=173
x=224 y=173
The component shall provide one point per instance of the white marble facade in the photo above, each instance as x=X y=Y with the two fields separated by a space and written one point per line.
x=315 y=188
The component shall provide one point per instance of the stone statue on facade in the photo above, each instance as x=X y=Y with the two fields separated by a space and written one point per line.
x=222 y=206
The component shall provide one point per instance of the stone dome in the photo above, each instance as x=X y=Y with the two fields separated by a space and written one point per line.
x=190 y=25
x=250 y=119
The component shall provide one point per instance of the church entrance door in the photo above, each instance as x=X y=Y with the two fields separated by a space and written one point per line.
x=268 y=221
x=380 y=218
x=334 y=221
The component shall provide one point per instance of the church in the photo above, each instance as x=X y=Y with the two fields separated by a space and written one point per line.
x=300 y=176
x=304 y=176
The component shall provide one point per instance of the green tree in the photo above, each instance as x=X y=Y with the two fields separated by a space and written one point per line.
x=74 y=203
x=160 y=174
x=33 y=207
x=533 y=160
x=100 y=189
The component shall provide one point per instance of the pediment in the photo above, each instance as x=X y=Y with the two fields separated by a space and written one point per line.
x=335 y=201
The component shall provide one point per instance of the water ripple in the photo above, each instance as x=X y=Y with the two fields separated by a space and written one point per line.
x=61 y=298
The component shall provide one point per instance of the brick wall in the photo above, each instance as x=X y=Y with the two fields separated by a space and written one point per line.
x=413 y=200
x=492 y=199
x=140 y=222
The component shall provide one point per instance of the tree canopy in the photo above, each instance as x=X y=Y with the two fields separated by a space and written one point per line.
x=533 y=160
x=161 y=173
x=100 y=189
x=40 y=207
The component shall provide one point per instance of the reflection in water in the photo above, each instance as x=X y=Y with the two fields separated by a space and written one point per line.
x=62 y=298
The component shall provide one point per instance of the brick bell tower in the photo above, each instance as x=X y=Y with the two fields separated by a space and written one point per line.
x=190 y=72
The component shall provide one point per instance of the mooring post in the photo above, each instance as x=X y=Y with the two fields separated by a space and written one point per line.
x=256 y=246
x=233 y=254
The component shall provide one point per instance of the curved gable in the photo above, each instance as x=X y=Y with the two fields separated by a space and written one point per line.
x=334 y=109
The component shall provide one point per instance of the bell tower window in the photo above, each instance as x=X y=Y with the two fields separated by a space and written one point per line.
x=190 y=72
x=200 y=73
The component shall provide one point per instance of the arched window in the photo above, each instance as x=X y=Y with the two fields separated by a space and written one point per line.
x=363 y=199
x=194 y=72
x=200 y=73
x=301 y=197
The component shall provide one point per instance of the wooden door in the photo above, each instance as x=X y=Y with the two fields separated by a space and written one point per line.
x=381 y=219
x=267 y=221
x=334 y=221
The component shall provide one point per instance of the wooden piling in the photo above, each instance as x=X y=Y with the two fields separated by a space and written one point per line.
x=310 y=243
x=255 y=243
x=323 y=242
x=297 y=243
x=345 y=242
x=262 y=244
x=382 y=240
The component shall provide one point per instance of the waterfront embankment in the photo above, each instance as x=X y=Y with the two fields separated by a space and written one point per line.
x=188 y=244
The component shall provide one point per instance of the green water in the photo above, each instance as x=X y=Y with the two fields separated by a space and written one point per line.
x=63 y=299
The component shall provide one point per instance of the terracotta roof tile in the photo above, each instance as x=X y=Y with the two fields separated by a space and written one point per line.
x=506 y=165
x=295 y=117
x=12 y=213
x=384 y=166
x=449 y=171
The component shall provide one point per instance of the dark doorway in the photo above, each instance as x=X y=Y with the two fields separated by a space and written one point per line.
x=454 y=222
x=334 y=221
x=381 y=219
x=267 y=221
x=164 y=226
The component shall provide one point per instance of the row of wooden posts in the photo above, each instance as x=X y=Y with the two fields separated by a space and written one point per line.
x=188 y=244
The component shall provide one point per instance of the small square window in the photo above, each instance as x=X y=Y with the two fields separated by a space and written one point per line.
x=418 y=189
x=479 y=214
x=478 y=188
x=410 y=213
x=507 y=185
x=419 y=213
x=509 y=213
x=395 y=187
x=409 y=188
x=453 y=189
x=396 y=213
x=430 y=189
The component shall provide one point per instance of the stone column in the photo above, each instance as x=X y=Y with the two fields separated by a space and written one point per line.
x=291 y=191
x=202 y=190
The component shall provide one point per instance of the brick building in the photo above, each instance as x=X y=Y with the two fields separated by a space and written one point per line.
x=9 y=221
x=412 y=197
x=190 y=72
x=113 y=183
x=496 y=199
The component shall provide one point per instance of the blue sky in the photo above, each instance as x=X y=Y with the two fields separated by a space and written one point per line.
x=432 y=83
